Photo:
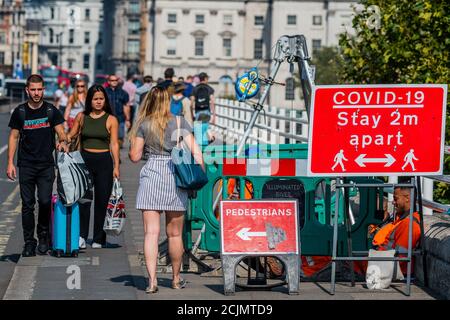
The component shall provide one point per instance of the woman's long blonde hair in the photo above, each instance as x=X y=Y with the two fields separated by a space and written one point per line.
x=156 y=109
x=75 y=92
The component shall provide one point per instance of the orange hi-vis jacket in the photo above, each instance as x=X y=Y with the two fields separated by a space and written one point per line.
x=394 y=235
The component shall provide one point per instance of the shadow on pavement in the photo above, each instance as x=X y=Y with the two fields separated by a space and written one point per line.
x=139 y=282
x=10 y=258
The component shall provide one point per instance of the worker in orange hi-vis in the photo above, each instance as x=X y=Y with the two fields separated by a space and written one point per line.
x=233 y=192
x=393 y=232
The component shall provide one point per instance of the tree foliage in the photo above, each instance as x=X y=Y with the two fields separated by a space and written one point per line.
x=327 y=62
x=400 y=41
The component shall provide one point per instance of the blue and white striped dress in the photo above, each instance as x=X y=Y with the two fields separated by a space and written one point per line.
x=157 y=189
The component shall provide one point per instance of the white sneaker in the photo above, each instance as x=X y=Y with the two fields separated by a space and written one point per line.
x=96 y=245
x=82 y=243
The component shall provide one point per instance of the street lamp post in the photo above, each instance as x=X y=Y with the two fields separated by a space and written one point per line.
x=59 y=37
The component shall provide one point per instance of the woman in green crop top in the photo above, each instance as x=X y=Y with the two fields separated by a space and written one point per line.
x=99 y=136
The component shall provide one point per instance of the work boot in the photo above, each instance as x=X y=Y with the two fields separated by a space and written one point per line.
x=29 y=250
x=43 y=246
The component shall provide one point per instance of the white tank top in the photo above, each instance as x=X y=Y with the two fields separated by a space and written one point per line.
x=76 y=109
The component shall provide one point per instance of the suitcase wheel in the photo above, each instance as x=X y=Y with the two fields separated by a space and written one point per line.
x=75 y=253
x=58 y=253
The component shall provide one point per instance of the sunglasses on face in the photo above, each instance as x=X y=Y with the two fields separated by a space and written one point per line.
x=80 y=86
x=113 y=80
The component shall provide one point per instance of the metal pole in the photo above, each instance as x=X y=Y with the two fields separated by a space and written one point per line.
x=252 y=122
x=410 y=232
x=335 y=239
x=422 y=232
x=258 y=109
x=348 y=224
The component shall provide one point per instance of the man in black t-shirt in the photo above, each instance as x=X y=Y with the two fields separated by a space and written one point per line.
x=34 y=124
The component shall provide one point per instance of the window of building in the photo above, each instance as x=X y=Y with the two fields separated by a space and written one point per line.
x=172 y=18
x=200 y=18
x=71 y=36
x=70 y=65
x=86 y=61
x=172 y=46
x=316 y=44
x=134 y=27
x=52 y=13
x=227 y=47
x=2 y=57
x=259 y=20
x=199 y=46
x=53 y=59
x=100 y=38
x=228 y=20
x=258 y=49
x=291 y=20
x=87 y=14
x=135 y=7
x=87 y=36
x=2 y=37
x=317 y=20
x=51 y=35
x=290 y=86
x=133 y=46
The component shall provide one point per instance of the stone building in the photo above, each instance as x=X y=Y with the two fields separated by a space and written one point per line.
x=226 y=38
x=71 y=34
x=12 y=32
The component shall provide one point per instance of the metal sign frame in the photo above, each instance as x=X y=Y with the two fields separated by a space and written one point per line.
x=350 y=257
x=291 y=260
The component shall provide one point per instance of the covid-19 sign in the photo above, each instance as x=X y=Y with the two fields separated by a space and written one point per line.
x=377 y=130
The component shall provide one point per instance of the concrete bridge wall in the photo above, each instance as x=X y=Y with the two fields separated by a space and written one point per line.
x=437 y=246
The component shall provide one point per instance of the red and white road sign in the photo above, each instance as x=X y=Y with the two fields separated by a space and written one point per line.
x=377 y=130
x=259 y=227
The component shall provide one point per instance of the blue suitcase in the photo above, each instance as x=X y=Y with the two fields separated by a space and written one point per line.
x=66 y=230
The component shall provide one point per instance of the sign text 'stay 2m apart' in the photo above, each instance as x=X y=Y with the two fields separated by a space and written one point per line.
x=377 y=130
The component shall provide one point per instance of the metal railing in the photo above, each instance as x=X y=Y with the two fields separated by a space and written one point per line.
x=274 y=125
x=284 y=125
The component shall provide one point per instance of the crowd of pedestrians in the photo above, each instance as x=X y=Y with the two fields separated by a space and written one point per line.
x=99 y=118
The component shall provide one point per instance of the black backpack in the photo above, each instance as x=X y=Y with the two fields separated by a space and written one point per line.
x=202 y=98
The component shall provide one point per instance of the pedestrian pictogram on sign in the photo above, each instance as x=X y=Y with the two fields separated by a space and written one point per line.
x=377 y=130
x=259 y=227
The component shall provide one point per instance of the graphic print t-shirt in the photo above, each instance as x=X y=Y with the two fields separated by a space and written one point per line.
x=37 y=141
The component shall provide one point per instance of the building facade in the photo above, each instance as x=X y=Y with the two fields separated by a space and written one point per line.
x=227 y=38
x=12 y=32
x=71 y=34
x=126 y=33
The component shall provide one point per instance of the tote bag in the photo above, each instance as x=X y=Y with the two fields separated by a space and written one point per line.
x=115 y=211
x=189 y=175
x=74 y=179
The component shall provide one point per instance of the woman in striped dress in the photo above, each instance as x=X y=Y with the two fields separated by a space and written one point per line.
x=156 y=128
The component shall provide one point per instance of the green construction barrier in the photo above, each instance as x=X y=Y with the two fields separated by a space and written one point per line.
x=315 y=197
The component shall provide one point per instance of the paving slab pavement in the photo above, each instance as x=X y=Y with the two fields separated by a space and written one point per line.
x=118 y=272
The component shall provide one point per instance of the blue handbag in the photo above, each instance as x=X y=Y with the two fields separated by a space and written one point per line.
x=188 y=174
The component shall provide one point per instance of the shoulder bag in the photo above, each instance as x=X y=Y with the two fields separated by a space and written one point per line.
x=188 y=174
